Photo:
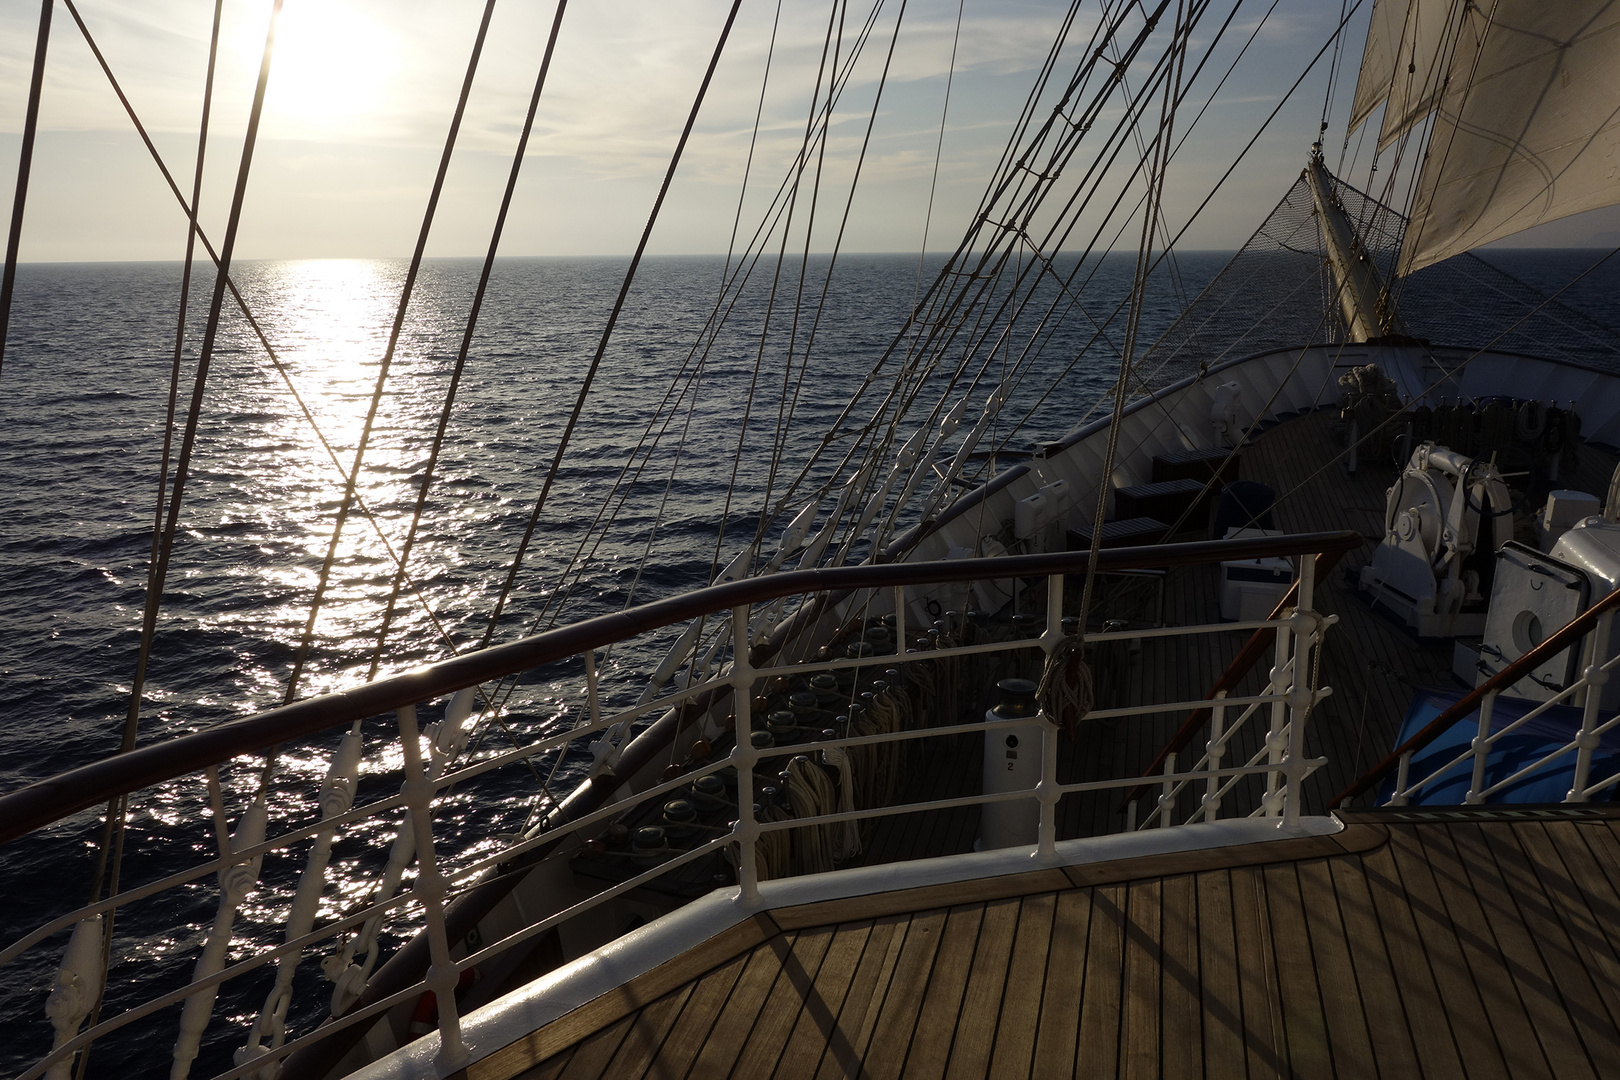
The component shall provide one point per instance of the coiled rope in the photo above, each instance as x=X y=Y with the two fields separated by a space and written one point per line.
x=1067 y=691
x=811 y=794
x=773 y=850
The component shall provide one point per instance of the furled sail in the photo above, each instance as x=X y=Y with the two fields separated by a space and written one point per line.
x=1527 y=128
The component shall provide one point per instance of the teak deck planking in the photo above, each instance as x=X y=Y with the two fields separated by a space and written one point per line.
x=1469 y=942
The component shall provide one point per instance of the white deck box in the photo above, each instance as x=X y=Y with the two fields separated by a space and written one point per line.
x=1252 y=588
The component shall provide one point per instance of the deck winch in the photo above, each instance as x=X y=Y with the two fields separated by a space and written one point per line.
x=1444 y=508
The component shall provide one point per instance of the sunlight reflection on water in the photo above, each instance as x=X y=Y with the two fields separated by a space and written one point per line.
x=86 y=396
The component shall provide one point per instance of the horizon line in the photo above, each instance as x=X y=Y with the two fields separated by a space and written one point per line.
x=665 y=255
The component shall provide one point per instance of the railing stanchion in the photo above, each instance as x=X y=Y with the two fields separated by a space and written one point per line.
x=1214 y=752
x=1047 y=789
x=235 y=882
x=442 y=975
x=1596 y=678
x=592 y=681
x=745 y=756
x=78 y=984
x=1276 y=738
x=1308 y=630
x=1300 y=693
x=1167 y=798
x=1402 y=772
x=900 y=621
x=1481 y=747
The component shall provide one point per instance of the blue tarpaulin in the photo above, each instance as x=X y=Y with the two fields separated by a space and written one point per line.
x=1555 y=727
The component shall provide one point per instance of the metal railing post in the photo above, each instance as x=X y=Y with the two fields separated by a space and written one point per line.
x=1167 y=797
x=1596 y=678
x=236 y=880
x=1481 y=748
x=1307 y=634
x=1276 y=738
x=1047 y=790
x=1300 y=692
x=430 y=888
x=592 y=686
x=900 y=621
x=1402 y=774
x=1214 y=752
x=745 y=756
x=79 y=981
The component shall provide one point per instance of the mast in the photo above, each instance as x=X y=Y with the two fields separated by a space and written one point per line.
x=1354 y=276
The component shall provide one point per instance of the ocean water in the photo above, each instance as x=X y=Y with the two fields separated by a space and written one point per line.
x=82 y=401
x=85 y=390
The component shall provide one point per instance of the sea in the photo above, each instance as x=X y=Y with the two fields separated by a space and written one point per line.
x=675 y=451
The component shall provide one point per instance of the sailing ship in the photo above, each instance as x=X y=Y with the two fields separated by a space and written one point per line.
x=982 y=756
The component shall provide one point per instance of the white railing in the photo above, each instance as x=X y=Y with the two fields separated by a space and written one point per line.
x=837 y=799
x=1587 y=692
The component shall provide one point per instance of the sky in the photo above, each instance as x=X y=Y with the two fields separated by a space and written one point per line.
x=362 y=92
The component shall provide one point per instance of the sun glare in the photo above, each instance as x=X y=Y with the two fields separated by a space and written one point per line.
x=332 y=67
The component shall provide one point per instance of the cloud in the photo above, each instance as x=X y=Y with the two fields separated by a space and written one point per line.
x=363 y=91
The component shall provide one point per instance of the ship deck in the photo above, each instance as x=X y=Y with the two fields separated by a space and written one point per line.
x=1460 y=942
x=1373 y=663
x=1443 y=943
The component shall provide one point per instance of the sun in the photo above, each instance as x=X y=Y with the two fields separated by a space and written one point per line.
x=332 y=68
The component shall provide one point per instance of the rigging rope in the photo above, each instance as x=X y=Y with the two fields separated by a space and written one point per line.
x=149 y=619
x=25 y=164
x=118 y=809
x=779 y=437
x=939 y=148
x=826 y=285
x=247 y=312
x=1010 y=182
x=1243 y=153
x=607 y=332
x=467 y=336
x=553 y=603
x=1026 y=360
x=113 y=834
x=305 y=641
x=1150 y=213
x=210 y=334
x=800 y=164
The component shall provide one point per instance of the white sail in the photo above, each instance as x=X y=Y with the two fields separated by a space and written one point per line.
x=1384 y=35
x=1527 y=129
x=1411 y=48
x=1441 y=42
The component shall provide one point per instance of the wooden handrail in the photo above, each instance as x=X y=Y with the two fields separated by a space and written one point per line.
x=52 y=799
x=1567 y=635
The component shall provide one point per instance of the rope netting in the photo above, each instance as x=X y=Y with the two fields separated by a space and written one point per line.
x=1278 y=291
